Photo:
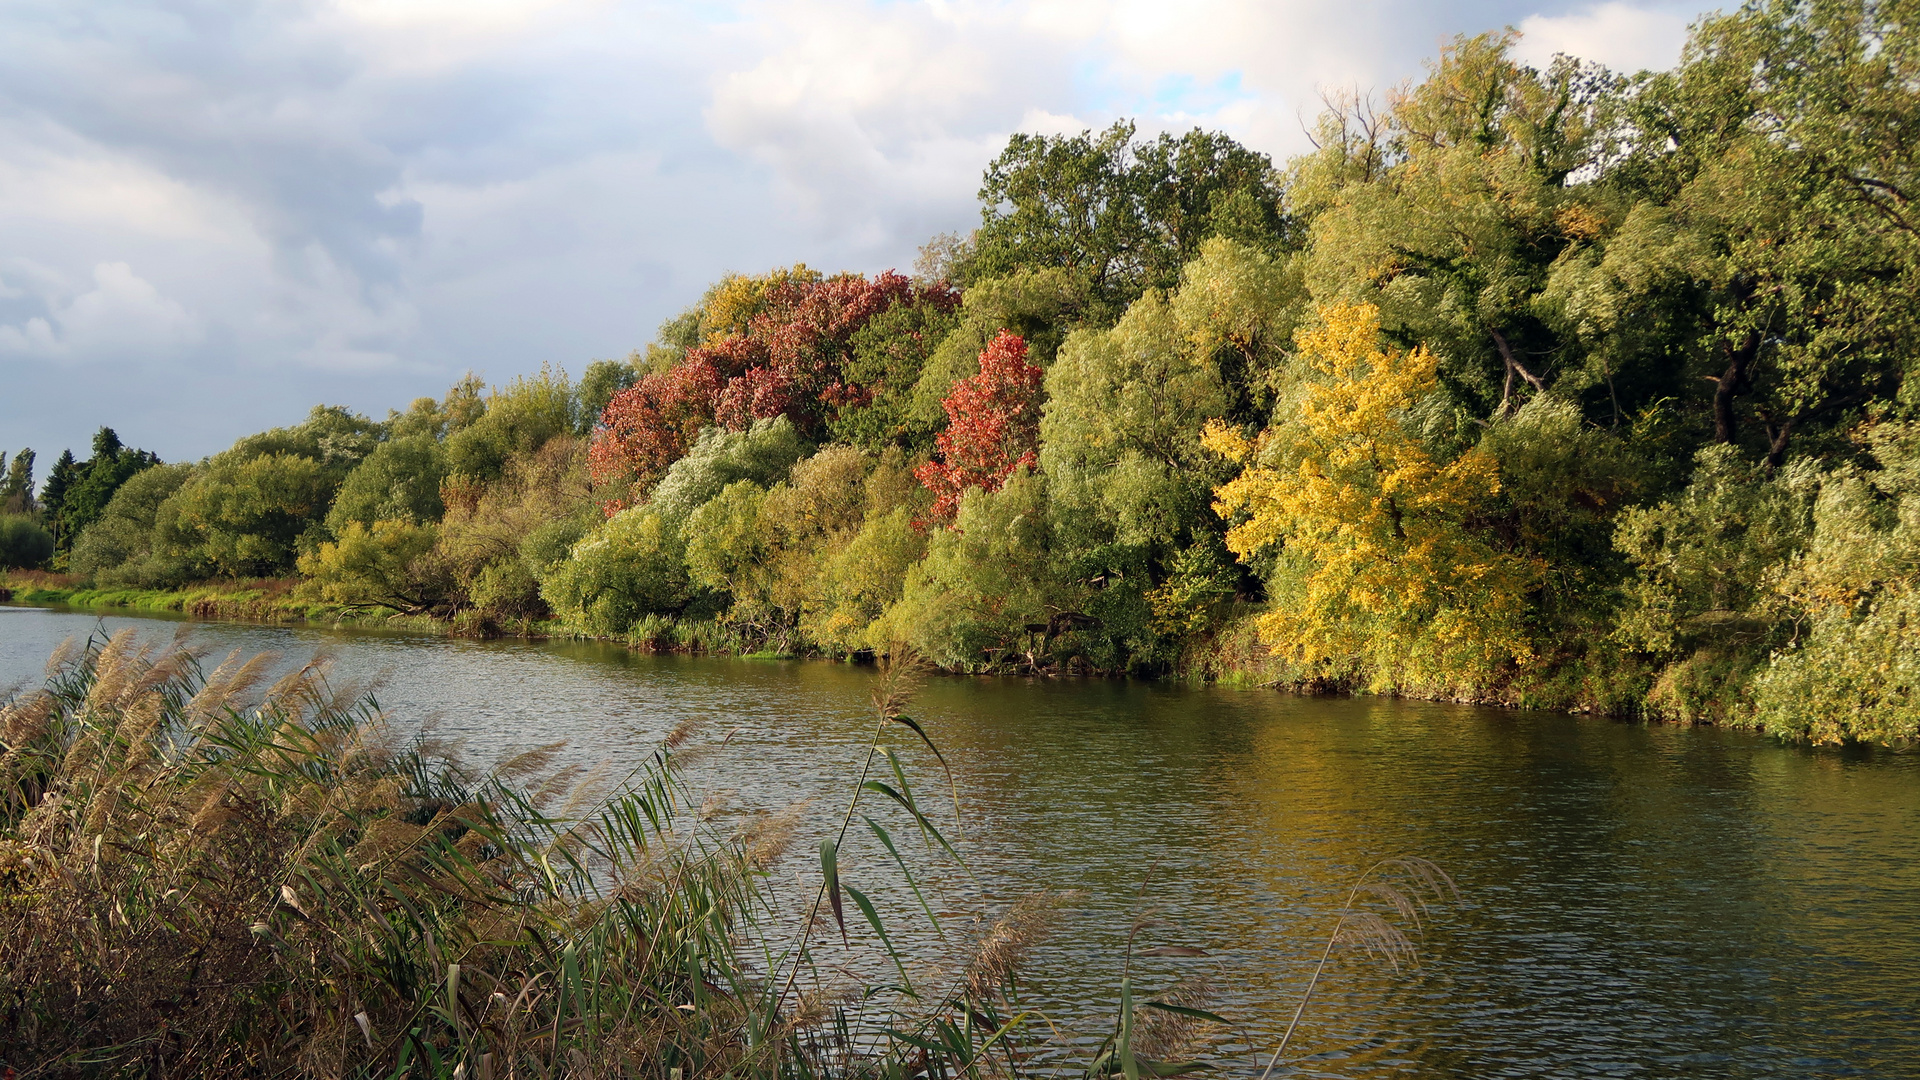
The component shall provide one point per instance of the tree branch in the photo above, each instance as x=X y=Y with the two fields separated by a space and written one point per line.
x=1513 y=367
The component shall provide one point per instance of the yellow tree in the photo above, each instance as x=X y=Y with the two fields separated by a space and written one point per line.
x=1378 y=571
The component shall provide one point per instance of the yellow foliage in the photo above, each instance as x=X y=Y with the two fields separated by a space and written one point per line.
x=1387 y=578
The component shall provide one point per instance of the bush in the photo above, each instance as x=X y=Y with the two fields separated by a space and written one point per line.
x=24 y=545
x=389 y=565
x=764 y=453
x=983 y=581
x=633 y=565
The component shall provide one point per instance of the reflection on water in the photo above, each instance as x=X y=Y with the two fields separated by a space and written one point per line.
x=1637 y=901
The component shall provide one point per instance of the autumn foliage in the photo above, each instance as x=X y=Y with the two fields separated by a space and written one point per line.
x=648 y=426
x=993 y=426
x=1396 y=580
x=781 y=349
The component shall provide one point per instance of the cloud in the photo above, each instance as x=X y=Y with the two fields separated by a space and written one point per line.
x=218 y=214
x=874 y=120
x=1622 y=36
x=121 y=315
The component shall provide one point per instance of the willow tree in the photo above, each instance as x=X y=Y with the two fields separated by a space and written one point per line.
x=1450 y=210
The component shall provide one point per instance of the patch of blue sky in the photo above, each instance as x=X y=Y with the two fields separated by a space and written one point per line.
x=1178 y=96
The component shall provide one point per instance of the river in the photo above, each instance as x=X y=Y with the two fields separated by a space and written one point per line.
x=1636 y=901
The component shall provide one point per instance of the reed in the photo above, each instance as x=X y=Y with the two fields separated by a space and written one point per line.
x=204 y=874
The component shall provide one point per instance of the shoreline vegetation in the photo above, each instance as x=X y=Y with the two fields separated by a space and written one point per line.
x=1553 y=387
x=1233 y=657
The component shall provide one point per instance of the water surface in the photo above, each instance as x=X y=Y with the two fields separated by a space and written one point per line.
x=1637 y=901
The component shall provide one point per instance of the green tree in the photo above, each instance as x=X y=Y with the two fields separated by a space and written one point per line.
x=1851 y=671
x=1476 y=182
x=598 y=384
x=122 y=549
x=730 y=549
x=332 y=437
x=1123 y=215
x=858 y=581
x=16 y=490
x=499 y=537
x=633 y=565
x=764 y=453
x=890 y=356
x=399 y=481
x=389 y=564
x=60 y=480
x=246 y=517
x=93 y=483
x=1129 y=481
x=1701 y=601
x=969 y=602
x=1768 y=168
x=520 y=418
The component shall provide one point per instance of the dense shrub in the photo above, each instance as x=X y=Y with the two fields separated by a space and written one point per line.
x=24 y=544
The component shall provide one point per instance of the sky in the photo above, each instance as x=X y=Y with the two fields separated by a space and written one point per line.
x=215 y=214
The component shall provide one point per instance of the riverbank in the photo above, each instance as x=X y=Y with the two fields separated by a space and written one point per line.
x=1232 y=655
x=261 y=600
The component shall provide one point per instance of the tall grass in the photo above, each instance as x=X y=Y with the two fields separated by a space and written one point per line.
x=205 y=875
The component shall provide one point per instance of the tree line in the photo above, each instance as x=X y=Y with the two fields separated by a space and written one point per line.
x=1557 y=387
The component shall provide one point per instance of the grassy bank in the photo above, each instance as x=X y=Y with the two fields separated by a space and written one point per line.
x=263 y=600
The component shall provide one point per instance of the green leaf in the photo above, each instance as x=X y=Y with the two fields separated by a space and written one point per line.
x=873 y=919
x=1182 y=1010
x=886 y=841
x=830 y=866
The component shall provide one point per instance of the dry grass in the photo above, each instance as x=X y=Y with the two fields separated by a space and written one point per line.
x=204 y=878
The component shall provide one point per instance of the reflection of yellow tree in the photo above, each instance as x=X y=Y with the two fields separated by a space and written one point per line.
x=1378 y=569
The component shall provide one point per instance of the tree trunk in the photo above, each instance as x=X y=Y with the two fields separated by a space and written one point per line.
x=1777 y=442
x=1728 y=385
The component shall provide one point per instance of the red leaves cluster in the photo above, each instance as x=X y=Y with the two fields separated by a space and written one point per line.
x=648 y=426
x=791 y=361
x=993 y=426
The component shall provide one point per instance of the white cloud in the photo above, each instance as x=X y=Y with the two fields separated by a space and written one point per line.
x=123 y=311
x=874 y=119
x=1622 y=36
x=121 y=314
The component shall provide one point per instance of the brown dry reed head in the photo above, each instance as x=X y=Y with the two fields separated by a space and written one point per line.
x=1403 y=887
x=902 y=671
x=1004 y=948
x=1166 y=1036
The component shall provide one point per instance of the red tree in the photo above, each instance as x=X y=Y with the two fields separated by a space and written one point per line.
x=756 y=394
x=790 y=361
x=993 y=427
x=648 y=426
